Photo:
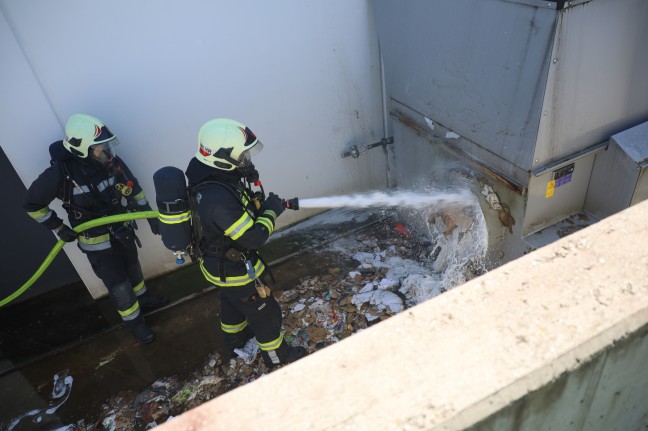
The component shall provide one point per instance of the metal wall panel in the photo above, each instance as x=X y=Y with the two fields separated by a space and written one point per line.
x=641 y=191
x=557 y=193
x=597 y=82
x=619 y=174
x=478 y=67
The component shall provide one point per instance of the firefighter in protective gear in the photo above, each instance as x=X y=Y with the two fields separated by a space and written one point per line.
x=232 y=228
x=92 y=182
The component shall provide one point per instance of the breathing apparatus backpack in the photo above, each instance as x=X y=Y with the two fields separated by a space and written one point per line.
x=174 y=205
x=180 y=226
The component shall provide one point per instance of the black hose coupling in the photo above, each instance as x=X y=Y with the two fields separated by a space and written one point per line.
x=291 y=204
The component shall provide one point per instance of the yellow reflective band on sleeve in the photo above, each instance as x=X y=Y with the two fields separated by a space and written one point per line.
x=40 y=215
x=267 y=223
x=176 y=218
x=239 y=227
x=239 y=280
x=272 y=345
x=139 y=196
x=139 y=287
x=126 y=313
x=271 y=213
x=233 y=329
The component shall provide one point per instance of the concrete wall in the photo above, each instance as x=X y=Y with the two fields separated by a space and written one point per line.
x=557 y=339
x=304 y=76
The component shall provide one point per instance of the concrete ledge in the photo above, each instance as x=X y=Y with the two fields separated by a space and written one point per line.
x=563 y=326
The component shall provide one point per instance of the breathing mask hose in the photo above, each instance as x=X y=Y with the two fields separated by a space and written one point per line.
x=59 y=245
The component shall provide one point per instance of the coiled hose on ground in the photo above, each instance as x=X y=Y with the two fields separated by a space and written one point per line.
x=59 y=245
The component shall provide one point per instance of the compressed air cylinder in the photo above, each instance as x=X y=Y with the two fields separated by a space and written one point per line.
x=173 y=205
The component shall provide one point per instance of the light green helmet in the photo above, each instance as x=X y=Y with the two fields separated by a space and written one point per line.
x=83 y=131
x=226 y=144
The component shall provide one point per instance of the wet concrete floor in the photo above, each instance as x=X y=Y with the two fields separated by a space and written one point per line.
x=66 y=331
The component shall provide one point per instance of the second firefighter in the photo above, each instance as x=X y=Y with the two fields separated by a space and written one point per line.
x=233 y=225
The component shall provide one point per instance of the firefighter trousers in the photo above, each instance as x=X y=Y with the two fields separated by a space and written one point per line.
x=119 y=269
x=241 y=309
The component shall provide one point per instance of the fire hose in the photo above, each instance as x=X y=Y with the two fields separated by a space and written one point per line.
x=287 y=203
x=60 y=243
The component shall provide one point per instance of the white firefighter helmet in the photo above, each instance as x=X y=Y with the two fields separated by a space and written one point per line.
x=85 y=135
x=226 y=144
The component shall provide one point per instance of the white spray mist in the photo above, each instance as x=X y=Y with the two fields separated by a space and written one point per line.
x=386 y=199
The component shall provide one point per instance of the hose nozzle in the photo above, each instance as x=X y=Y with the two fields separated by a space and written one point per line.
x=291 y=204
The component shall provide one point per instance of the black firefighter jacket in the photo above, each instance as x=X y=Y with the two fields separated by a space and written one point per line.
x=90 y=193
x=229 y=219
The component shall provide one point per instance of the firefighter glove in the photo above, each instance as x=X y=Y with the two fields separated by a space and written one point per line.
x=65 y=233
x=154 y=223
x=273 y=203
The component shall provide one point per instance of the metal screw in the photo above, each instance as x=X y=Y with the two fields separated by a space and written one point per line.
x=544 y=113
x=555 y=60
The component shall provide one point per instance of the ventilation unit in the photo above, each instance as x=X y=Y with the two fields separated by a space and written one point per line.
x=619 y=177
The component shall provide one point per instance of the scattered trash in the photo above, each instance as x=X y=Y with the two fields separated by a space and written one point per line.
x=503 y=211
x=249 y=352
x=399 y=228
x=373 y=274
x=61 y=389
x=430 y=123
x=491 y=197
x=105 y=360
x=298 y=307
x=452 y=135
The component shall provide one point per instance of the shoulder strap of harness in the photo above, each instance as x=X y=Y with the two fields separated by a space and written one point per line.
x=67 y=185
x=229 y=187
x=193 y=191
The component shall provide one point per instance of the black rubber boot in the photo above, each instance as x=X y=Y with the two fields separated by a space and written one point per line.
x=283 y=355
x=151 y=301
x=142 y=332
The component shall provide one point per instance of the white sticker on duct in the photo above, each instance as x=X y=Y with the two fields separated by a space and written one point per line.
x=429 y=122
x=452 y=135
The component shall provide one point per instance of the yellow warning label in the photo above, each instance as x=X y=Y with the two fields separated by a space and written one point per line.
x=550 y=189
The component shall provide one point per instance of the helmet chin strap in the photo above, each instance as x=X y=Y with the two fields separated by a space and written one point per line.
x=224 y=153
